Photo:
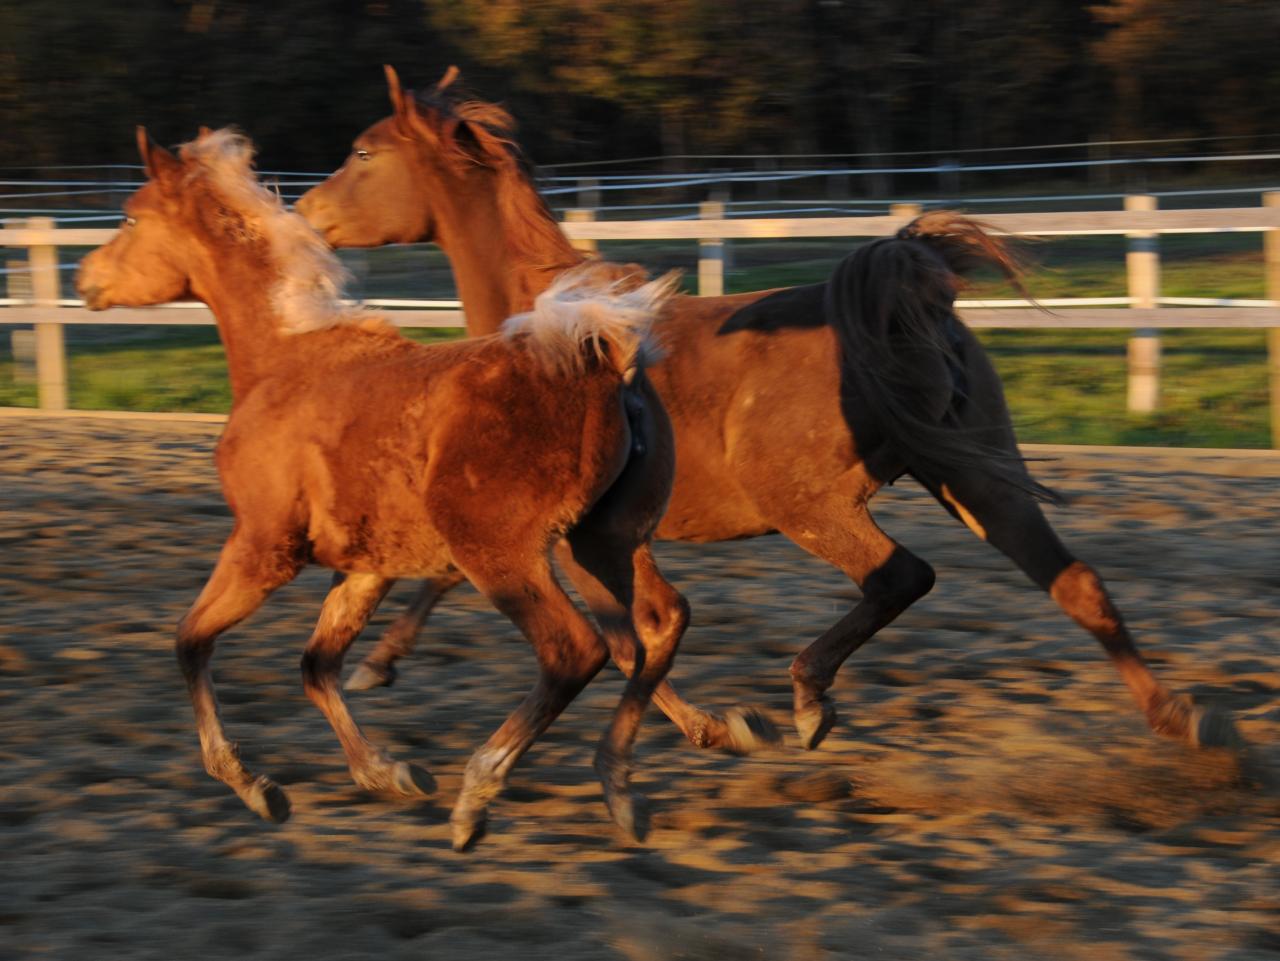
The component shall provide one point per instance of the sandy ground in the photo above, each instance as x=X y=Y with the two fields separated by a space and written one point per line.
x=989 y=793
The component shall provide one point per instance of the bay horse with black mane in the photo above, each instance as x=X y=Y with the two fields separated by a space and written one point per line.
x=791 y=407
x=354 y=448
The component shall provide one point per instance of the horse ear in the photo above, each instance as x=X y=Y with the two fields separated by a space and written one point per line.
x=449 y=77
x=393 y=89
x=408 y=120
x=161 y=166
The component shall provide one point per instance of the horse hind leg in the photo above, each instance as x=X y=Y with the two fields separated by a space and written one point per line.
x=1011 y=521
x=643 y=618
x=569 y=653
x=891 y=579
x=238 y=586
x=350 y=602
x=378 y=669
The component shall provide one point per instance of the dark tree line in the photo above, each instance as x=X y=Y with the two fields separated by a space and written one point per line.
x=595 y=79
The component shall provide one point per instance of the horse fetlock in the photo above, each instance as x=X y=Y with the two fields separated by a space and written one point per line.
x=809 y=683
x=706 y=731
x=1171 y=716
x=398 y=778
x=400 y=637
x=223 y=764
x=1178 y=717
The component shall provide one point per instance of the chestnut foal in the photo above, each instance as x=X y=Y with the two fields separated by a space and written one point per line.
x=352 y=447
x=791 y=407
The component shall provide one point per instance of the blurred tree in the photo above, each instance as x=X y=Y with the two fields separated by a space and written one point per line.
x=300 y=76
x=594 y=79
x=1191 y=67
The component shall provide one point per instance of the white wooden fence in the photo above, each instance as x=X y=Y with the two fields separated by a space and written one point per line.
x=1144 y=311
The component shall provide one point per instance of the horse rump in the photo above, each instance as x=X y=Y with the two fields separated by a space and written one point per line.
x=903 y=349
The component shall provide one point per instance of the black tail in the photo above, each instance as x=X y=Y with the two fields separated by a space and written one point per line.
x=892 y=306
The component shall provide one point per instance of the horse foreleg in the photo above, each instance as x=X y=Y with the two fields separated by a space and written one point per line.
x=239 y=584
x=378 y=669
x=351 y=600
x=569 y=655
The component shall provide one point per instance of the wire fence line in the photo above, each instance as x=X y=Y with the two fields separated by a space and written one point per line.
x=768 y=174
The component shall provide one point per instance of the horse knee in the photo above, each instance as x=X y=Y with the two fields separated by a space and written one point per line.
x=320 y=668
x=1079 y=591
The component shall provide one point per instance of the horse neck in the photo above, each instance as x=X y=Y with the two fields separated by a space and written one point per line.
x=237 y=286
x=499 y=263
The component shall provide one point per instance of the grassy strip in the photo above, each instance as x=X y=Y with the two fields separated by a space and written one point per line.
x=1062 y=386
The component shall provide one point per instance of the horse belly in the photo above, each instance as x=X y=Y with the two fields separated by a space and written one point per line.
x=378 y=539
x=708 y=505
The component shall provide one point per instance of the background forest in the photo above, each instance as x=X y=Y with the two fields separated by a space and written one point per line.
x=596 y=79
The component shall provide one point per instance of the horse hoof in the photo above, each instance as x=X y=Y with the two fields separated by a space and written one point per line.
x=1213 y=728
x=367 y=676
x=750 y=730
x=468 y=828
x=815 y=723
x=267 y=799
x=626 y=814
x=409 y=780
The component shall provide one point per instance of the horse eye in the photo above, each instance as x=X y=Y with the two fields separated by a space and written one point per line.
x=362 y=153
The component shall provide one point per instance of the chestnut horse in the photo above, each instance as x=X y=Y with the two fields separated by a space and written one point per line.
x=791 y=407
x=354 y=448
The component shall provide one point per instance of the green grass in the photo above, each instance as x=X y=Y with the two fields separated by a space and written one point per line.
x=1063 y=386
x=1069 y=387
x=146 y=369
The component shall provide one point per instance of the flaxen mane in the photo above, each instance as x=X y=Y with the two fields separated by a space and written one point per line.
x=311 y=278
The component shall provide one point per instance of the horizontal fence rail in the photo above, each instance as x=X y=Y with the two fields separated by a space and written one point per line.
x=1144 y=311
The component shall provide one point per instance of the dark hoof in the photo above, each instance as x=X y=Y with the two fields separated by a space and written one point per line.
x=628 y=814
x=368 y=676
x=267 y=799
x=468 y=828
x=1213 y=728
x=750 y=730
x=815 y=723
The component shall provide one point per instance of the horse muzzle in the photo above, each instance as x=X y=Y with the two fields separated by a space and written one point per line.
x=95 y=298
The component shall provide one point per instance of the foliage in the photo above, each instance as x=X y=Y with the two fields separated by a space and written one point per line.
x=593 y=79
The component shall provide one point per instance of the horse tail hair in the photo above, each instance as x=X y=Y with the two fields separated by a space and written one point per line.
x=596 y=310
x=891 y=304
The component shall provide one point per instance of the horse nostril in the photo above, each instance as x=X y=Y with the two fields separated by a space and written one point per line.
x=92 y=297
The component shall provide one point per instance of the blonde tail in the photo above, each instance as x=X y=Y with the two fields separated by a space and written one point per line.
x=595 y=309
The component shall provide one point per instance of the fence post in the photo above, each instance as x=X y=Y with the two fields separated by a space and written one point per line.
x=906 y=211
x=1142 y=262
x=51 y=357
x=711 y=253
x=588 y=192
x=1271 y=256
x=579 y=215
